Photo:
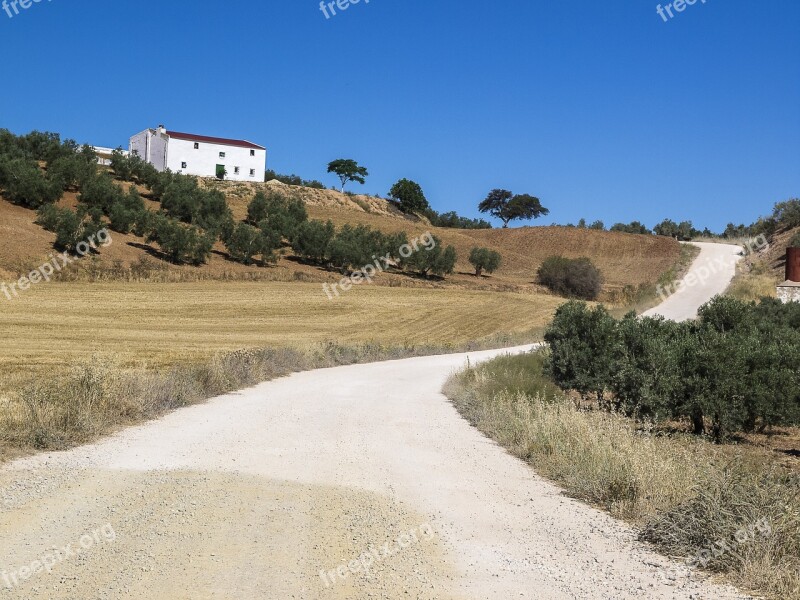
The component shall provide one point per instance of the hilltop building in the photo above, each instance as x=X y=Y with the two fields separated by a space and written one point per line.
x=200 y=155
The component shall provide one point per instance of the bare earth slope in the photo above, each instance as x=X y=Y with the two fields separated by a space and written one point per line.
x=624 y=259
x=266 y=493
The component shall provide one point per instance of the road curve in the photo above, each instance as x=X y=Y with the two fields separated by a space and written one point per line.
x=347 y=483
x=710 y=274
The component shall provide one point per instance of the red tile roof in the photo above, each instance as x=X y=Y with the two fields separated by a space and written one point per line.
x=214 y=140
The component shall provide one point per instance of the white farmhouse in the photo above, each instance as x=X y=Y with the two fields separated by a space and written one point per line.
x=204 y=156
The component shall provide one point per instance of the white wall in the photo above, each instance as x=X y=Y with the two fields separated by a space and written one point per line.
x=203 y=161
x=151 y=146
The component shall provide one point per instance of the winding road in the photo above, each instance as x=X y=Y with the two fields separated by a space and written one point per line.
x=347 y=483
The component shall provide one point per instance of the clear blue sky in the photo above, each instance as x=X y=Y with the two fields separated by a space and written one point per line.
x=600 y=108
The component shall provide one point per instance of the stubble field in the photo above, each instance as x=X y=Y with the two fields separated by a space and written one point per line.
x=56 y=325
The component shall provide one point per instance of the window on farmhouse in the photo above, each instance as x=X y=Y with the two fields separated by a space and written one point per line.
x=252 y=172
x=183 y=165
x=222 y=155
x=252 y=152
x=196 y=146
x=236 y=170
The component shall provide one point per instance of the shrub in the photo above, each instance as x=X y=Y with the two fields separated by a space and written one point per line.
x=795 y=241
x=101 y=192
x=257 y=209
x=69 y=230
x=436 y=260
x=246 y=242
x=353 y=247
x=271 y=175
x=484 y=259
x=454 y=220
x=93 y=226
x=74 y=170
x=787 y=214
x=312 y=239
x=25 y=184
x=181 y=243
x=48 y=216
x=121 y=165
x=582 y=342
x=409 y=196
x=125 y=211
x=693 y=501
x=633 y=227
x=573 y=278
x=281 y=214
x=185 y=201
x=683 y=231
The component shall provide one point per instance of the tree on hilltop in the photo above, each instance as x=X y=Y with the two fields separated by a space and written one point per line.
x=348 y=170
x=508 y=207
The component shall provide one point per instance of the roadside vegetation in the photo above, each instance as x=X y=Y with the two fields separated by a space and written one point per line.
x=727 y=508
x=103 y=393
x=734 y=370
x=571 y=277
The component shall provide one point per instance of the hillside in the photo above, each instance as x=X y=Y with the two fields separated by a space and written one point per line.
x=624 y=259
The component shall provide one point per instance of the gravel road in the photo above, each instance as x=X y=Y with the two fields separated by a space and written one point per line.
x=710 y=274
x=348 y=483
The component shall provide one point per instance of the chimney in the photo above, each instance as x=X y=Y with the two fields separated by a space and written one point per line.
x=162 y=130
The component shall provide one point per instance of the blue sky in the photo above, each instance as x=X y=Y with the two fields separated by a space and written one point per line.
x=600 y=108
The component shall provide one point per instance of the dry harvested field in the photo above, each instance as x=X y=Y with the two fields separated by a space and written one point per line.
x=56 y=324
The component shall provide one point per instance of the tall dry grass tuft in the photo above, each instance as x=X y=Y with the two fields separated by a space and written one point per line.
x=743 y=518
x=753 y=281
x=685 y=493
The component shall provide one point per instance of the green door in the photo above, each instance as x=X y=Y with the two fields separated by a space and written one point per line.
x=221 y=172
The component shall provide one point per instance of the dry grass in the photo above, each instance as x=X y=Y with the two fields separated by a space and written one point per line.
x=754 y=280
x=597 y=456
x=152 y=324
x=101 y=395
x=686 y=494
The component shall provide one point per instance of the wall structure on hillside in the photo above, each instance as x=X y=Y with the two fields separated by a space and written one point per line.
x=789 y=291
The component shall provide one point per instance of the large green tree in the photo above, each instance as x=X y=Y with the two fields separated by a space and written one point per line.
x=409 y=196
x=507 y=206
x=348 y=170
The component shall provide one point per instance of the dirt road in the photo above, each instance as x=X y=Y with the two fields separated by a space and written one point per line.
x=355 y=482
x=710 y=274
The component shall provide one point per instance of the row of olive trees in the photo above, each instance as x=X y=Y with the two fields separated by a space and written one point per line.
x=353 y=247
x=735 y=369
x=22 y=177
